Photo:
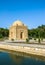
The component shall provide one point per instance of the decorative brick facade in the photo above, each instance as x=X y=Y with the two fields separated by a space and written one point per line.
x=18 y=31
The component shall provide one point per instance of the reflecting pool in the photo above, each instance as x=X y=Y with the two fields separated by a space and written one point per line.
x=15 y=58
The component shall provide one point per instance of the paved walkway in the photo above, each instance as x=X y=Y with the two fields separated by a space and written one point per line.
x=36 y=49
x=24 y=45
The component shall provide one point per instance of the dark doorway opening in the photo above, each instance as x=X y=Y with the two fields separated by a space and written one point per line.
x=21 y=35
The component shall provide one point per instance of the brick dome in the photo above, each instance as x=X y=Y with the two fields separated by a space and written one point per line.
x=18 y=22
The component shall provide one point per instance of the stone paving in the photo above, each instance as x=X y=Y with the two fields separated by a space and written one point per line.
x=36 y=49
x=24 y=44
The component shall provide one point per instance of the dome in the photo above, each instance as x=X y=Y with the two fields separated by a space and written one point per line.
x=18 y=22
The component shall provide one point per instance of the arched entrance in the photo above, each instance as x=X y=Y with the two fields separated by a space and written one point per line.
x=21 y=35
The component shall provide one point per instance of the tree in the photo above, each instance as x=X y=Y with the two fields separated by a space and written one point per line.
x=39 y=31
x=4 y=32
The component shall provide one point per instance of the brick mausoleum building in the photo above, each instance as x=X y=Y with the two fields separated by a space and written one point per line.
x=18 y=31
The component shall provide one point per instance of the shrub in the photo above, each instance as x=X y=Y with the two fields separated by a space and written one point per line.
x=27 y=40
x=12 y=39
x=34 y=38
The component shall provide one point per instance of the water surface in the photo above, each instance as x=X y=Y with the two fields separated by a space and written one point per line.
x=19 y=59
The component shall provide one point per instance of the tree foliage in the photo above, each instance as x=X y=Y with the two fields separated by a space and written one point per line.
x=4 y=32
x=37 y=32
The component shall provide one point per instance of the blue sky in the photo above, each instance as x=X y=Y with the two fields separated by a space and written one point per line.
x=30 y=12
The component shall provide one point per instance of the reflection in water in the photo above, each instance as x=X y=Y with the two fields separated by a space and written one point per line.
x=20 y=58
x=16 y=58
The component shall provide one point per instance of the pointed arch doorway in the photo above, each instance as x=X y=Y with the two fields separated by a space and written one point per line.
x=21 y=35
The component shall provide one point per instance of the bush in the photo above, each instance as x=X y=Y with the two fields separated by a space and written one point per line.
x=27 y=40
x=12 y=39
x=34 y=38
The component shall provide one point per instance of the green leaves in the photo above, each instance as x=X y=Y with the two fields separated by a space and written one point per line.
x=37 y=32
x=4 y=32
